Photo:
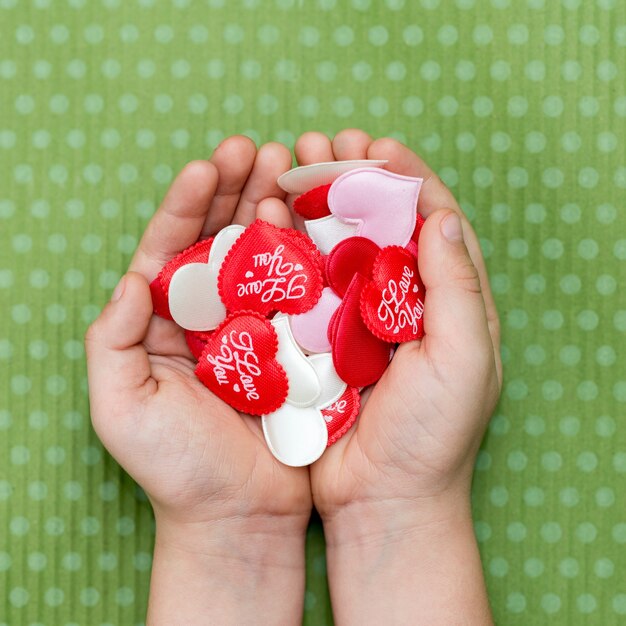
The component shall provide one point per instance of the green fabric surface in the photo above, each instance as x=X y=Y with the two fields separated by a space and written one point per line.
x=520 y=106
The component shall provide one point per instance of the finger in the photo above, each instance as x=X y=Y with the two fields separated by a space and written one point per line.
x=117 y=361
x=275 y=212
x=178 y=222
x=350 y=144
x=313 y=147
x=455 y=319
x=402 y=160
x=165 y=337
x=435 y=195
x=234 y=159
x=272 y=160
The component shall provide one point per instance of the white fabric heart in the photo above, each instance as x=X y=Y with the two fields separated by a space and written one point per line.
x=304 y=384
x=332 y=386
x=326 y=232
x=301 y=179
x=193 y=297
x=295 y=436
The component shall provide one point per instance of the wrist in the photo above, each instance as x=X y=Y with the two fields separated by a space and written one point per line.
x=391 y=559
x=227 y=571
x=377 y=521
x=261 y=541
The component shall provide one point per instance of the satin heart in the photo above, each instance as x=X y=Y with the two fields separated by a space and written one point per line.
x=419 y=224
x=327 y=232
x=332 y=387
x=304 y=384
x=341 y=414
x=193 y=297
x=239 y=364
x=392 y=304
x=381 y=204
x=159 y=287
x=356 y=254
x=301 y=179
x=196 y=340
x=313 y=204
x=271 y=269
x=295 y=436
x=310 y=329
x=360 y=358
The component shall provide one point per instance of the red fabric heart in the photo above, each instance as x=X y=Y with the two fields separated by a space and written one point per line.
x=419 y=222
x=196 y=340
x=352 y=255
x=340 y=415
x=359 y=357
x=313 y=204
x=271 y=269
x=159 y=287
x=238 y=364
x=392 y=303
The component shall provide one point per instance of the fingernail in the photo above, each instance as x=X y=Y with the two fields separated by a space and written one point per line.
x=119 y=290
x=451 y=228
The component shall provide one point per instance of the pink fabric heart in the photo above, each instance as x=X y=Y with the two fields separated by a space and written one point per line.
x=310 y=329
x=383 y=205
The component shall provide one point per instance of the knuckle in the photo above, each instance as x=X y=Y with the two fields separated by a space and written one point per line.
x=466 y=276
x=93 y=334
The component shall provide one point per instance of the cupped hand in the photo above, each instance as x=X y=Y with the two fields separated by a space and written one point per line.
x=197 y=459
x=420 y=426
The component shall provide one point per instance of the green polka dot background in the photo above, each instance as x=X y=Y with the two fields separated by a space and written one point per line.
x=519 y=105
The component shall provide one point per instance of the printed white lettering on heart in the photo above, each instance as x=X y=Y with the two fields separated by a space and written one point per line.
x=335 y=407
x=282 y=282
x=394 y=310
x=237 y=355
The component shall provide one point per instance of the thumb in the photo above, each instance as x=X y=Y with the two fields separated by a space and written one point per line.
x=117 y=362
x=454 y=308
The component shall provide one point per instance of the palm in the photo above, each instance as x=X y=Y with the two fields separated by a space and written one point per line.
x=193 y=454
x=406 y=426
x=203 y=446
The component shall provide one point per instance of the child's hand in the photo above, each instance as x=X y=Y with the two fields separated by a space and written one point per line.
x=403 y=472
x=229 y=516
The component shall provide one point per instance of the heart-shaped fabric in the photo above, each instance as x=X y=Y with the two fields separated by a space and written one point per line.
x=381 y=204
x=341 y=414
x=360 y=358
x=419 y=223
x=301 y=179
x=356 y=254
x=332 y=387
x=193 y=297
x=238 y=364
x=327 y=232
x=310 y=329
x=159 y=287
x=196 y=340
x=295 y=436
x=313 y=204
x=392 y=303
x=271 y=269
x=304 y=384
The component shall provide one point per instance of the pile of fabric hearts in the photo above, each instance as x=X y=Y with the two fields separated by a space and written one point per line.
x=291 y=326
